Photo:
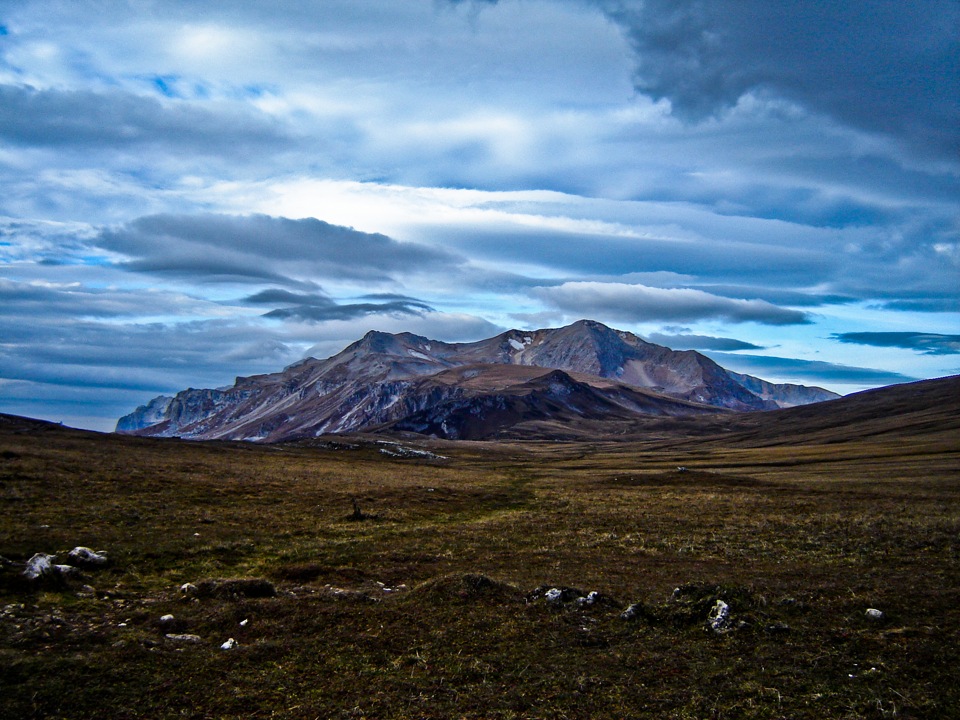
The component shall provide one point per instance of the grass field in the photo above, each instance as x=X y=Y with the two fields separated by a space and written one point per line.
x=415 y=587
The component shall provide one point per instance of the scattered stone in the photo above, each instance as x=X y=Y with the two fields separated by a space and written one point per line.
x=681 y=469
x=40 y=566
x=399 y=451
x=229 y=644
x=556 y=595
x=166 y=618
x=633 y=611
x=244 y=622
x=188 y=589
x=591 y=599
x=184 y=638
x=553 y=595
x=874 y=614
x=719 y=617
x=85 y=557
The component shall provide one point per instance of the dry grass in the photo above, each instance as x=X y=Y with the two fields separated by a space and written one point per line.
x=425 y=606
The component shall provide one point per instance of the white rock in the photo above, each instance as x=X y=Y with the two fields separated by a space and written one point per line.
x=719 y=617
x=188 y=589
x=166 y=618
x=874 y=614
x=244 y=623
x=553 y=595
x=40 y=565
x=85 y=557
x=229 y=644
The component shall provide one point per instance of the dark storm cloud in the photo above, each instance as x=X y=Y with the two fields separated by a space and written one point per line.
x=257 y=248
x=721 y=258
x=313 y=313
x=57 y=303
x=891 y=66
x=150 y=357
x=779 y=296
x=314 y=307
x=807 y=371
x=112 y=120
x=700 y=342
x=924 y=343
x=945 y=304
x=272 y=296
x=639 y=303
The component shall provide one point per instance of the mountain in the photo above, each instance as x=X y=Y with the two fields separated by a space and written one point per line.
x=585 y=372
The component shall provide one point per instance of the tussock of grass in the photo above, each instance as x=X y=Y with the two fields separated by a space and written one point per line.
x=466 y=588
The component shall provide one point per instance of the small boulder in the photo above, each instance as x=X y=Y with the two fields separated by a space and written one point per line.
x=556 y=595
x=553 y=596
x=719 y=617
x=229 y=644
x=591 y=599
x=874 y=614
x=84 y=557
x=188 y=589
x=40 y=566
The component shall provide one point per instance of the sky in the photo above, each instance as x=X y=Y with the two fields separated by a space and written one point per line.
x=195 y=191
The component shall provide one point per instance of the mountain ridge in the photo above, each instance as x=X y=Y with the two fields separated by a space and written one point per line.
x=402 y=381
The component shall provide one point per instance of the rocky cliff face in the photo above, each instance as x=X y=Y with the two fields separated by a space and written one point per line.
x=153 y=413
x=409 y=382
x=784 y=395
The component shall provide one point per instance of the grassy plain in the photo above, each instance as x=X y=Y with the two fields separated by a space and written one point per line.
x=425 y=604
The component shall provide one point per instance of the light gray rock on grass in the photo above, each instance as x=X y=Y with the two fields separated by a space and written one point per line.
x=85 y=557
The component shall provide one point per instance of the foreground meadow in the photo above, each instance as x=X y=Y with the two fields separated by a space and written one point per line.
x=357 y=583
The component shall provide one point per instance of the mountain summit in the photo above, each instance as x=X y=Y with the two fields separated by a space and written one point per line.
x=583 y=373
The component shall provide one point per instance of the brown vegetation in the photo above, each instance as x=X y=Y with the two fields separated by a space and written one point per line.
x=435 y=604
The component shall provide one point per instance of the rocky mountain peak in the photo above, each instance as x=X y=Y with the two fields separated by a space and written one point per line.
x=383 y=378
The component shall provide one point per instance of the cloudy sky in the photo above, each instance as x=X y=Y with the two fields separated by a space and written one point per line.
x=197 y=190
